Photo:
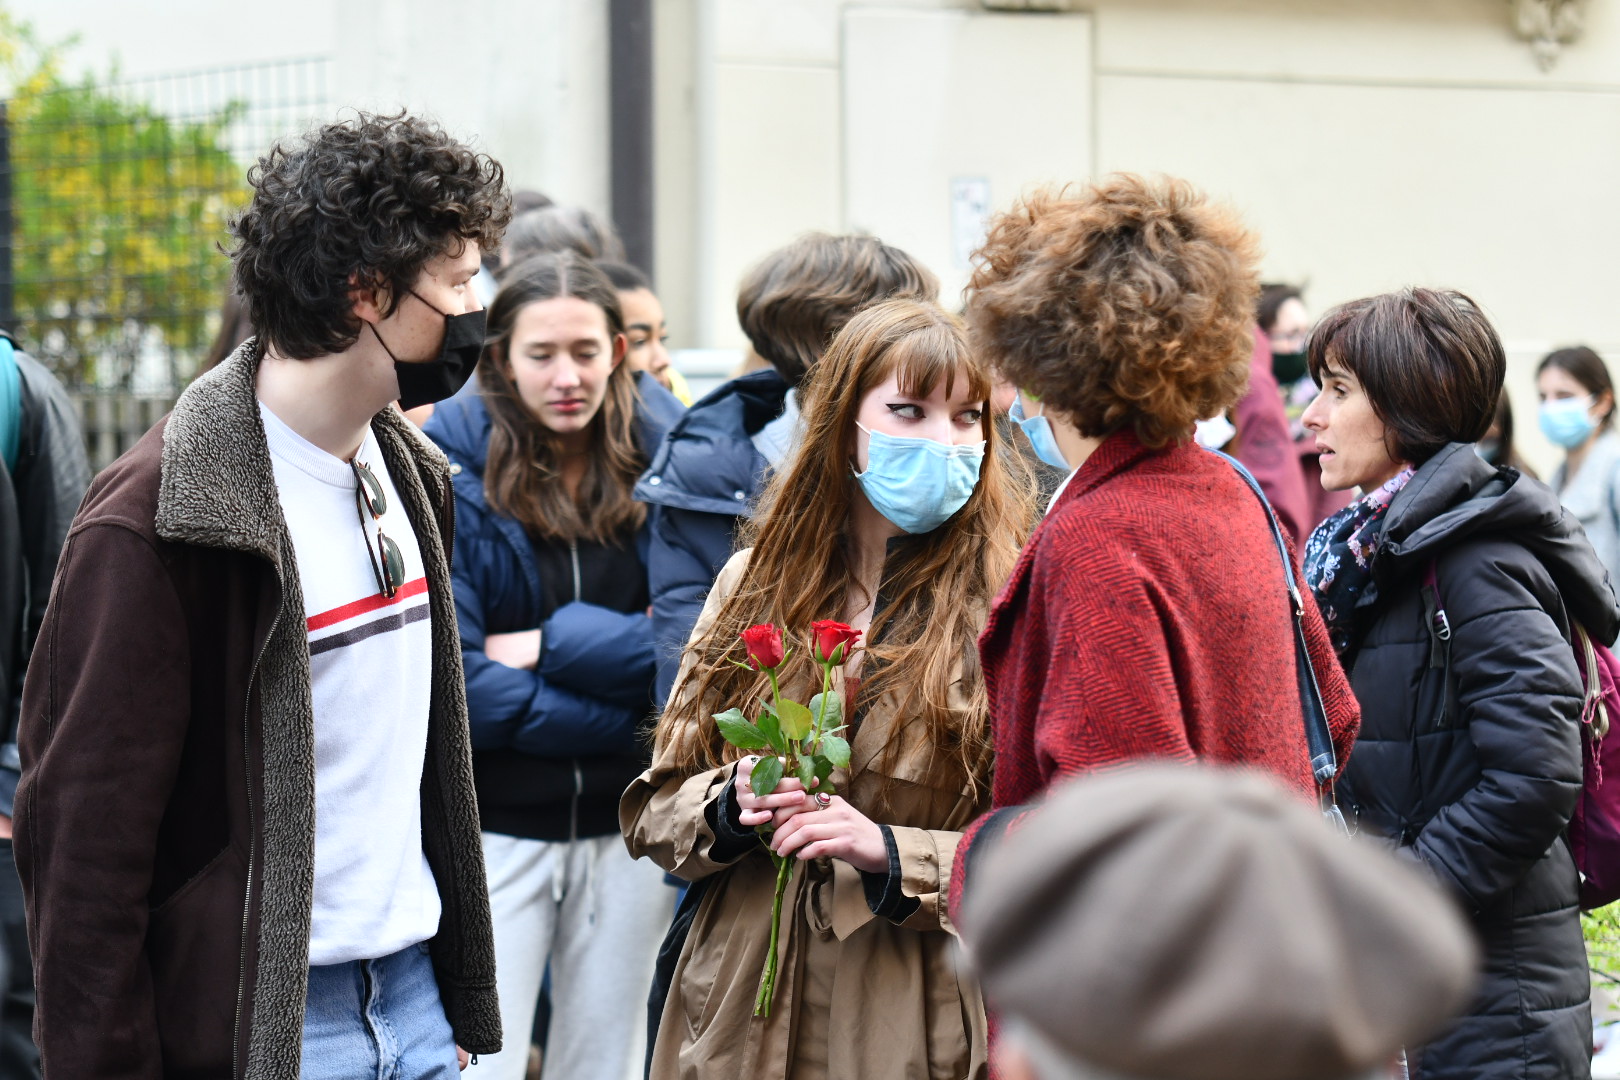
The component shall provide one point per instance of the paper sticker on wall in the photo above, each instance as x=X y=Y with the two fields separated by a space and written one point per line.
x=970 y=210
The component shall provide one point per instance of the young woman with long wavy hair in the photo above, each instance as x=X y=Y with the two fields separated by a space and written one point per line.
x=880 y=520
x=551 y=596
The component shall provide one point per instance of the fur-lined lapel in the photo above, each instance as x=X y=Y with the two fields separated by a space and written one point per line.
x=218 y=488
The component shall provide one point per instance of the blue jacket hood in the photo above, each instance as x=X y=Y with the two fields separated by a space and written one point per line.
x=708 y=462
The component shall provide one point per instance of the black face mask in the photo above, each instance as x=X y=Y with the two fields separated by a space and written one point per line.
x=440 y=378
x=1289 y=367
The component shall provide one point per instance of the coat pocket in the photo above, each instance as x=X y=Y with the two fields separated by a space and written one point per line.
x=194 y=947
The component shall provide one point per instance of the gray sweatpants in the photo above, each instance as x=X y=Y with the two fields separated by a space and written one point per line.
x=598 y=916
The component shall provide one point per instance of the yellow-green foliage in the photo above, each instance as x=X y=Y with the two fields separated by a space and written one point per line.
x=118 y=214
x=1602 y=930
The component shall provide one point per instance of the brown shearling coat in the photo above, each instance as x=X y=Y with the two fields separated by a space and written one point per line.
x=902 y=1006
x=165 y=826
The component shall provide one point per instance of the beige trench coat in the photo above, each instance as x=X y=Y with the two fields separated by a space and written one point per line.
x=902 y=1007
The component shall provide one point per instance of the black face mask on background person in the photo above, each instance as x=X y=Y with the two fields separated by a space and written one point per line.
x=434 y=380
x=1288 y=367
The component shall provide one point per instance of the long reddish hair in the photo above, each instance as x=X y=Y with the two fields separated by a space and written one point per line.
x=938 y=585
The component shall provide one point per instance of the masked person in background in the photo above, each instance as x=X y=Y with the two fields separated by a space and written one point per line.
x=1285 y=324
x=252 y=632
x=898 y=515
x=1577 y=414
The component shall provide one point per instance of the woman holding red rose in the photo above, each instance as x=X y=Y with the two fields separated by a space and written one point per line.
x=868 y=984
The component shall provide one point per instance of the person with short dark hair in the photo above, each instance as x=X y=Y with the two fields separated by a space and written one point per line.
x=703 y=481
x=551 y=597
x=247 y=825
x=1577 y=415
x=1150 y=614
x=645 y=328
x=1453 y=590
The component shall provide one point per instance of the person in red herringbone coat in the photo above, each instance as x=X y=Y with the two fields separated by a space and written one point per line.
x=1148 y=617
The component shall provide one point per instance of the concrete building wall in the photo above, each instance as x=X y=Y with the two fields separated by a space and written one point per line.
x=1371 y=143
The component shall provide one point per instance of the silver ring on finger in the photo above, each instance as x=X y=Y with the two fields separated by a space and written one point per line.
x=823 y=799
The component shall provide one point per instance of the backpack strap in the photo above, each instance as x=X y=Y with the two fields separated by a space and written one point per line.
x=10 y=404
x=1594 y=710
x=1318 y=736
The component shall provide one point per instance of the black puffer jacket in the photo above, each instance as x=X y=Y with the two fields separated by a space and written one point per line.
x=1476 y=773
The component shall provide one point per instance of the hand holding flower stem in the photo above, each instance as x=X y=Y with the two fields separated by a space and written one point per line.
x=800 y=742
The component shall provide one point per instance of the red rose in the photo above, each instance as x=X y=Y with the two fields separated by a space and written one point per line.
x=834 y=640
x=764 y=644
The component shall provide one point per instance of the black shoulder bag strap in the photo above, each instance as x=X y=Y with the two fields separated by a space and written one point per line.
x=1318 y=737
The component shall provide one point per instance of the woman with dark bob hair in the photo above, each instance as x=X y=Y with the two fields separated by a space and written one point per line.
x=1452 y=589
x=1149 y=615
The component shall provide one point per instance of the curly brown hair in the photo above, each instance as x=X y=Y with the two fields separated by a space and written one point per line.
x=1131 y=302
x=368 y=202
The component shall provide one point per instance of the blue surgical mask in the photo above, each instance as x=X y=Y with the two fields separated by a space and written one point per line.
x=918 y=483
x=1038 y=429
x=1567 y=421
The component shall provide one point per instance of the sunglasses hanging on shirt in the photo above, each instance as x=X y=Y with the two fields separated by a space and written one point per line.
x=386 y=561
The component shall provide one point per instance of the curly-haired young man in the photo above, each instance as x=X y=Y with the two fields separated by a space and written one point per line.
x=246 y=823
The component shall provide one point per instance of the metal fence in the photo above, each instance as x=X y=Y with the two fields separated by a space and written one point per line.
x=114 y=420
x=117 y=197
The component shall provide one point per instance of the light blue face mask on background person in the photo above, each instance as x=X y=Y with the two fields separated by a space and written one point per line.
x=1038 y=429
x=1567 y=421
x=918 y=483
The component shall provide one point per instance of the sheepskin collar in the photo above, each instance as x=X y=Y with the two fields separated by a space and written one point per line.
x=218 y=487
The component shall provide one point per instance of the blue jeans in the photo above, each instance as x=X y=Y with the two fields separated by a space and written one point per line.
x=378 y=1019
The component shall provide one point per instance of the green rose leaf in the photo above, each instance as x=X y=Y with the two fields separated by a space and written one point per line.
x=736 y=730
x=824 y=769
x=836 y=749
x=834 y=706
x=796 y=719
x=771 y=728
x=766 y=775
x=807 y=772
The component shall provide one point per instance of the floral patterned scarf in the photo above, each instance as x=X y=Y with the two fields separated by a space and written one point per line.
x=1339 y=554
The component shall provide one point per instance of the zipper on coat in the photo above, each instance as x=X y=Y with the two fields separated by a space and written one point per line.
x=573 y=806
x=247 y=775
x=573 y=553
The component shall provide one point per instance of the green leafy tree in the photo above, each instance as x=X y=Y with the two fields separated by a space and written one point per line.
x=1602 y=930
x=118 y=214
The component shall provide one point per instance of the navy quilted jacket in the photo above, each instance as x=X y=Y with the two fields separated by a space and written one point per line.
x=552 y=748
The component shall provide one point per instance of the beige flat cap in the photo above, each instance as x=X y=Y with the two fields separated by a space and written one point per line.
x=1189 y=923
